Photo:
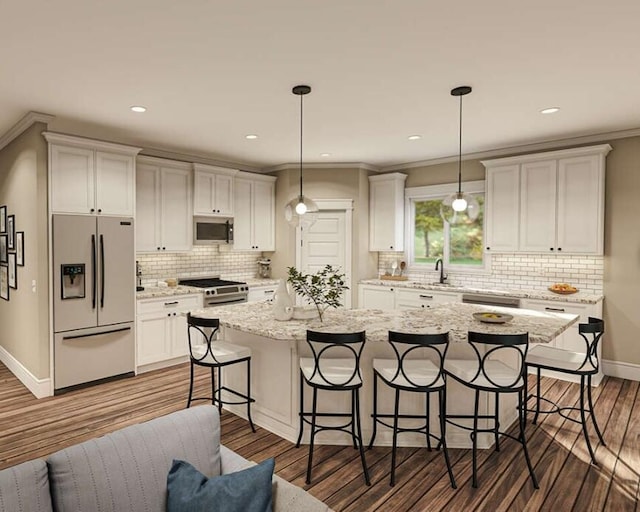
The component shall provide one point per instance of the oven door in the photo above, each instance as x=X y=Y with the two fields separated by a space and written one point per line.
x=224 y=300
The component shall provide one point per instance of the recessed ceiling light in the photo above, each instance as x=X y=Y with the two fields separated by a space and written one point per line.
x=550 y=110
x=325 y=155
x=414 y=137
x=251 y=136
x=138 y=108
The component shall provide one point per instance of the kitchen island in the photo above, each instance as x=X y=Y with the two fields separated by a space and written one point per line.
x=276 y=347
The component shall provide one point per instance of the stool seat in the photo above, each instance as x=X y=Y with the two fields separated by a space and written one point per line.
x=221 y=352
x=466 y=370
x=333 y=372
x=559 y=359
x=415 y=372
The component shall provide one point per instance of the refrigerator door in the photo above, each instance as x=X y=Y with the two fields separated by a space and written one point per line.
x=92 y=354
x=116 y=270
x=74 y=241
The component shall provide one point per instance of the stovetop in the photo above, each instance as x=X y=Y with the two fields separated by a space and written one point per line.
x=217 y=286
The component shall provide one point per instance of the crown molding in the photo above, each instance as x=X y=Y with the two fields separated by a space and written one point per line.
x=525 y=148
x=84 y=142
x=27 y=120
x=323 y=165
x=194 y=159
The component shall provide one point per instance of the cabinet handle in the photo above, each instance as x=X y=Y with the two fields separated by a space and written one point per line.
x=551 y=248
x=268 y=291
x=164 y=248
x=559 y=248
x=391 y=247
x=557 y=310
x=488 y=248
x=390 y=289
x=426 y=297
x=171 y=303
x=92 y=210
x=168 y=314
x=99 y=210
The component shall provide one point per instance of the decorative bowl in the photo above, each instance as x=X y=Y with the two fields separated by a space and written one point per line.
x=491 y=317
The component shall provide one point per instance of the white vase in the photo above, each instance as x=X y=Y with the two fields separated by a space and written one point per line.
x=282 y=303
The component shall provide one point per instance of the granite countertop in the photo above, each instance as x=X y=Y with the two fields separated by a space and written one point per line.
x=257 y=318
x=579 y=297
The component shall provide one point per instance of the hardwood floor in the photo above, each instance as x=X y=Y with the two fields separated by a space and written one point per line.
x=32 y=428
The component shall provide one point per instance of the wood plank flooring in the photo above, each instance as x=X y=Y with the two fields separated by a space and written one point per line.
x=32 y=428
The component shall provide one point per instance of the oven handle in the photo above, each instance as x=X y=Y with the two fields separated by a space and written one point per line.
x=225 y=302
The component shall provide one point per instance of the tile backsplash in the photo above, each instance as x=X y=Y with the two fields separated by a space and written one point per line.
x=200 y=261
x=516 y=272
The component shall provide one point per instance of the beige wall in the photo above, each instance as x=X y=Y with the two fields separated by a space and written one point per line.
x=23 y=189
x=622 y=240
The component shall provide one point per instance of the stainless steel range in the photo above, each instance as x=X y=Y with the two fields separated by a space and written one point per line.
x=218 y=292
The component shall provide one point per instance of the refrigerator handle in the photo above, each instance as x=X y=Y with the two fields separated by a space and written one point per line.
x=102 y=271
x=93 y=272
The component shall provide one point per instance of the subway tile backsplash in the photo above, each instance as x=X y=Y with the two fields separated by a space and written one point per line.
x=516 y=272
x=200 y=261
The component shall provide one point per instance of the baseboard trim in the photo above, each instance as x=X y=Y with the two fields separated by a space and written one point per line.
x=621 y=370
x=39 y=387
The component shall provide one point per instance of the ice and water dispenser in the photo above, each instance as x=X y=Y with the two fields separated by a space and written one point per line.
x=73 y=280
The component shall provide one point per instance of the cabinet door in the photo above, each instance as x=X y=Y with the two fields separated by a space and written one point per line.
x=538 y=206
x=502 y=211
x=203 y=193
x=72 y=180
x=242 y=221
x=153 y=338
x=261 y=293
x=175 y=210
x=263 y=216
x=223 y=195
x=377 y=297
x=147 y=208
x=114 y=184
x=580 y=205
x=179 y=338
x=386 y=213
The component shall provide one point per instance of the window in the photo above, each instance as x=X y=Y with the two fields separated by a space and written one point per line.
x=430 y=238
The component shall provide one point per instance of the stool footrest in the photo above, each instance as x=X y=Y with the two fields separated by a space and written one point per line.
x=557 y=409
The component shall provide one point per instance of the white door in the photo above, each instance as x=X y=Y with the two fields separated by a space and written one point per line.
x=115 y=184
x=538 y=206
x=325 y=243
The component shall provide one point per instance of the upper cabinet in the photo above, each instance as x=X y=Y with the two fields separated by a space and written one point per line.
x=547 y=202
x=254 y=219
x=213 y=191
x=91 y=177
x=163 y=205
x=386 y=212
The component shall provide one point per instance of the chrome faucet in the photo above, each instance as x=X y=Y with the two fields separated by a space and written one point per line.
x=440 y=266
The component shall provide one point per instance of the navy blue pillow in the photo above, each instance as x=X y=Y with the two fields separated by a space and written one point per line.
x=248 y=490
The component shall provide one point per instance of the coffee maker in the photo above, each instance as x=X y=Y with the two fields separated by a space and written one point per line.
x=264 y=268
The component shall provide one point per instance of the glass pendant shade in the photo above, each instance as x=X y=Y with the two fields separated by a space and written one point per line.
x=301 y=211
x=459 y=208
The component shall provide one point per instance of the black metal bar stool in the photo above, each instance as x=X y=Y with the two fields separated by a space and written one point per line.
x=493 y=376
x=584 y=365
x=215 y=354
x=413 y=372
x=335 y=366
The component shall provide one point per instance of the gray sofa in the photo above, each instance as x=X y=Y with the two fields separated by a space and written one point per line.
x=127 y=469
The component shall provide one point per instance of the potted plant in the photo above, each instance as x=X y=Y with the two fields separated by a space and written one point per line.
x=324 y=289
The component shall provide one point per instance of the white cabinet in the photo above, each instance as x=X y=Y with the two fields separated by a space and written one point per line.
x=559 y=207
x=261 y=293
x=376 y=297
x=91 y=177
x=161 y=337
x=163 y=205
x=386 y=212
x=254 y=220
x=391 y=297
x=213 y=191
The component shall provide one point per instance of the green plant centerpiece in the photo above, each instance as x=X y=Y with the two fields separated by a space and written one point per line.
x=323 y=289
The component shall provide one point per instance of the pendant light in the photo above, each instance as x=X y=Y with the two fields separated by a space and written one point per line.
x=460 y=208
x=301 y=210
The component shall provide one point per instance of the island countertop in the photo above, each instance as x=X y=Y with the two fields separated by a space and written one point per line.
x=456 y=318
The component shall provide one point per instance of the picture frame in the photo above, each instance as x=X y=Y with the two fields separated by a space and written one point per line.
x=11 y=232
x=13 y=271
x=4 y=250
x=20 y=248
x=4 y=282
x=3 y=219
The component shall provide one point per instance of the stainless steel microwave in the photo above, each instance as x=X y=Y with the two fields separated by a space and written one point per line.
x=212 y=230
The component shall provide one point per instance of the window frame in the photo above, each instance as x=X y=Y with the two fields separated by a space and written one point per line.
x=431 y=192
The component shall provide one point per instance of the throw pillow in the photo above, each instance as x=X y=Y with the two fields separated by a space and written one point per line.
x=248 y=490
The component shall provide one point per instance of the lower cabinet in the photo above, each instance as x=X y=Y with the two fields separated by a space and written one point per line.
x=261 y=293
x=161 y=338
x=390 y=297
x=376 y=297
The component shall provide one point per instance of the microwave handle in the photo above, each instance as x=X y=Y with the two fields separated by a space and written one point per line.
x=229 y=228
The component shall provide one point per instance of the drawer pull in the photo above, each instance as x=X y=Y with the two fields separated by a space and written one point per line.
x=557 y=310
x=171 y=303
x=268 y=291
x=426 y=297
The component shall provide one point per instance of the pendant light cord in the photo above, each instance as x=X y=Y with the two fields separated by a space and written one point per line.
x=459 y=151
x=301 y=147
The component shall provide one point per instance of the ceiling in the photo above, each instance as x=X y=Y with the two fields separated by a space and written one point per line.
x=211 y=71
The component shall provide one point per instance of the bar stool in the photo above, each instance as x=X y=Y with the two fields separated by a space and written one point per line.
x=216 y=354
x=409 y=373
x=585 y=365
x=335 y=366
x=493 y=376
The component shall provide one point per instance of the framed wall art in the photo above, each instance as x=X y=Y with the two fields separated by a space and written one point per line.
x=20 y=248
x=4 y=250
x=3 y=219
x=4 y=282
x=11 y=232
x=13 y=273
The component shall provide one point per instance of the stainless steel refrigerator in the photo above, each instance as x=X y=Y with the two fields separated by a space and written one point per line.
x=93 y=305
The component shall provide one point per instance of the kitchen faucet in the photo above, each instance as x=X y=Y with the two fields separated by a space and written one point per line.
x=440 y=266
